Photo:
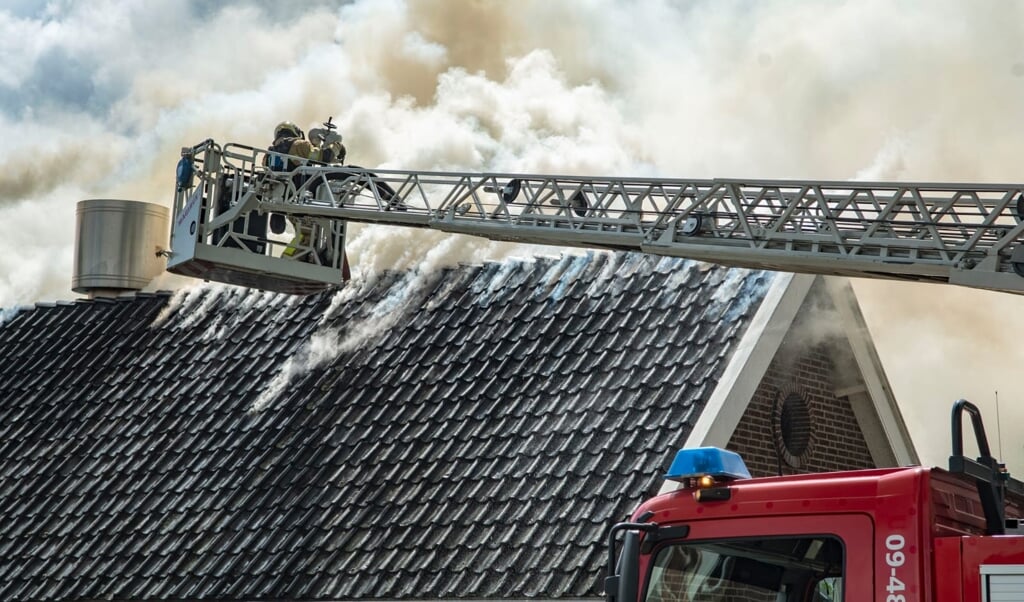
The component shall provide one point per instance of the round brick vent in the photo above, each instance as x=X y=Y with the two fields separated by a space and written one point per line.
x=793 y=427
x=795 y=424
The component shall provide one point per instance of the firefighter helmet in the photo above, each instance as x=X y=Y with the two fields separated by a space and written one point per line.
x=287 y=128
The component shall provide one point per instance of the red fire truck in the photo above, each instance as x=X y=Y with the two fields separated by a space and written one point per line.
x=889 y=535
x=893 y=535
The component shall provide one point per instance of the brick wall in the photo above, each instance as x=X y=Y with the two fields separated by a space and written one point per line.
x=823 y=434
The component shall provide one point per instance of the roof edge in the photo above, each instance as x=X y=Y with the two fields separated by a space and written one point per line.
x=749 y=362
x=879 y=391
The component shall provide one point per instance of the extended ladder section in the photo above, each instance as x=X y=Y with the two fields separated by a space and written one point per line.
x=237 y=221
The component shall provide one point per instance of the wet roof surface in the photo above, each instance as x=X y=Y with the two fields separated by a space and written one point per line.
x=472 y=434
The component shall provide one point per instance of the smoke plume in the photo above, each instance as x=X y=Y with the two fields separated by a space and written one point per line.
x=97 y=97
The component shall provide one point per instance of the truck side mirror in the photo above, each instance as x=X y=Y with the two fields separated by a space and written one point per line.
x=622 y=585
x=629 y=567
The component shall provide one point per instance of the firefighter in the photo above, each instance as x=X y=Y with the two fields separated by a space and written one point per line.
x=327 y=146
x=289 y=140
x=332 y=153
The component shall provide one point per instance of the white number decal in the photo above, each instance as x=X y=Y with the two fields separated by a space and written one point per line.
x=895 y=558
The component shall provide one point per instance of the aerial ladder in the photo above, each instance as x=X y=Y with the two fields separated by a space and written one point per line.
x=239 y=221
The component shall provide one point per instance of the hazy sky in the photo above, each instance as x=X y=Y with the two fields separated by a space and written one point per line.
x=97 y=97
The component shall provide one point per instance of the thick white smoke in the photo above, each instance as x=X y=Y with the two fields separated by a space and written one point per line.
x=96 y=98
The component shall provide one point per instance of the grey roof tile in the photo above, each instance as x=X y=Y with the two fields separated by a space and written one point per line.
x=424 y=463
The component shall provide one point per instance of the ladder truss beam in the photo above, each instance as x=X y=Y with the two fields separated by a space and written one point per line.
x=965 y=234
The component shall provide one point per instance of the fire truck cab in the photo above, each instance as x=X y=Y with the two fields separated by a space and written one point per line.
x=891 y=535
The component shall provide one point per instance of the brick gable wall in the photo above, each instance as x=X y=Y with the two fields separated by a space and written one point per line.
x=810 y=366
x=836 y=442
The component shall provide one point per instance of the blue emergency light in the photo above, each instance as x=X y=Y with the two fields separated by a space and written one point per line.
x=707 y=461
x=183 y=174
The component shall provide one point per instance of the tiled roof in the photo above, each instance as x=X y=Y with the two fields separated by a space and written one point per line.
x=470 y=435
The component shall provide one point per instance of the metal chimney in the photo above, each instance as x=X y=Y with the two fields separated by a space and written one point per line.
x=117 y=244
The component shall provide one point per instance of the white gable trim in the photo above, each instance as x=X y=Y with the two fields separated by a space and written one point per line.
x=750 y=360
x=887 y=418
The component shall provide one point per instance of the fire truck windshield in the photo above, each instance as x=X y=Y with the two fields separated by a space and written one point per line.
x=783 y=569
